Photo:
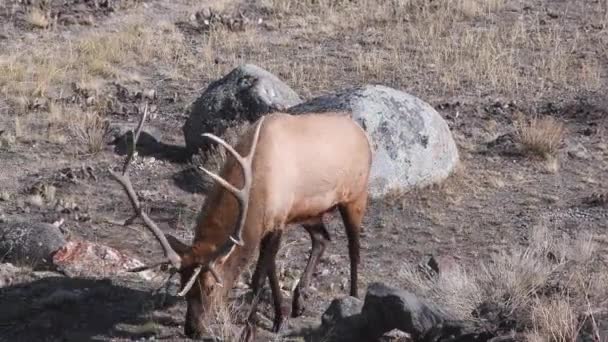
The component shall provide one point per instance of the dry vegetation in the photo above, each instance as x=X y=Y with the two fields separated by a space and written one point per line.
x=541 y=136
x=60 y=89
x=545 y=285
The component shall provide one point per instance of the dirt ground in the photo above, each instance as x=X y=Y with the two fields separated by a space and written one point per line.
x=72 y=65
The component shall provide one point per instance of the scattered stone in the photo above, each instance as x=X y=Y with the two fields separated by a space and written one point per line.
x=5 y=196
x=31 y=242
x=8 y=274
x=441 y=264
x=596 y=199
x=207 y=19
x=505 y=144
x=245 y=94
x=35 y=200
x=412 y=143
x=578 y=151
x=396 y=335
x=90 y=259
x=340 y=309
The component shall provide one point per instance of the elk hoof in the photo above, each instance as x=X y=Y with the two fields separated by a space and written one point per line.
x=278 y=323
x=248 y=334
x=297 y=307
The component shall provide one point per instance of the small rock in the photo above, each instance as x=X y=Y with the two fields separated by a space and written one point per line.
x=578 y=151
x=442 y=263
x=35 y=200
x=396 y=335
x=5 y=196
x=149 y=94
x=340 y=309
x=8 y=274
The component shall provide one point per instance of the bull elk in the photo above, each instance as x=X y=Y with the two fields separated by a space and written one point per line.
x=285 y=169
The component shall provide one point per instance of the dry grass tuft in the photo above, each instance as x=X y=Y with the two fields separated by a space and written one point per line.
x=37 y=18
x=89 y=130
x=540 y=136
x=555 y=319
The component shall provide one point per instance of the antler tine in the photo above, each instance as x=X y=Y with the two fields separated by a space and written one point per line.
x=222 y=142
x=241 y=195
x=236 y=192
x=135 y=137
x=124 y=180
x=194 y=276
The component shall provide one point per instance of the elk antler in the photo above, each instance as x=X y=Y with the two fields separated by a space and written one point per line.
x=241 y=195
x=124 y=180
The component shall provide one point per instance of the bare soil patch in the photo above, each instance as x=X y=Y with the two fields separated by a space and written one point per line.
x=484 y=65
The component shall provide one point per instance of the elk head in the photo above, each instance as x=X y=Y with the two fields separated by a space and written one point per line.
x=196 y=265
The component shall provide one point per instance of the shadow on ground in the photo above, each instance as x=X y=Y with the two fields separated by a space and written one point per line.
x=75 y=309
x=150 y=146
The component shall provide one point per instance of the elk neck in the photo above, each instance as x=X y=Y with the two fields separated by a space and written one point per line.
x=217 y=222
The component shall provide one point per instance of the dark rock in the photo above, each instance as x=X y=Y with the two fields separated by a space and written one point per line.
x=340 y=309
x=412 y=143
x=388 y=308
x=245 y=94
x=30 y=242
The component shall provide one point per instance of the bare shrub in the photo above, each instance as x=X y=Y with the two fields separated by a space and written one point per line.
x=555 y=319
x=37 y=18
x=90 y=130
x=540 y=136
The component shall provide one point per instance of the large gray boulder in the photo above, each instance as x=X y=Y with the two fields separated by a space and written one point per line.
x=245 y=94
x=412 y=143
x=32 y=243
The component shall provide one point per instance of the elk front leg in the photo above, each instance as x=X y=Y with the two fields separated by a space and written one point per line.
x=273 y=278
x=266 y=266
x=320 y=238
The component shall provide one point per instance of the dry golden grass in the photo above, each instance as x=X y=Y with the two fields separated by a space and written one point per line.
x=89 y=130
x=394 y=42
x=50 y=68
x=37 y=18
x=514 y=279
x=540 y=136
x=555 y=320
x=53 y=65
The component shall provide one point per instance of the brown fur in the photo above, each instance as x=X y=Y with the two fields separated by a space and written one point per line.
x=304 y=166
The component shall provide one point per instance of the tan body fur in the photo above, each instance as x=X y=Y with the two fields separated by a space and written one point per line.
x=303 y=167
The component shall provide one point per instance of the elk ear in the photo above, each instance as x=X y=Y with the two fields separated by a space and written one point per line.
x=178 y=246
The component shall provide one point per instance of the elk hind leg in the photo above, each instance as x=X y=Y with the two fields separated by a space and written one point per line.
x=319 y=237
x=352 y=214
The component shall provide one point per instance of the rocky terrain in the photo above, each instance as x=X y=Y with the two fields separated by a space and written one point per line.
x=511 y=244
